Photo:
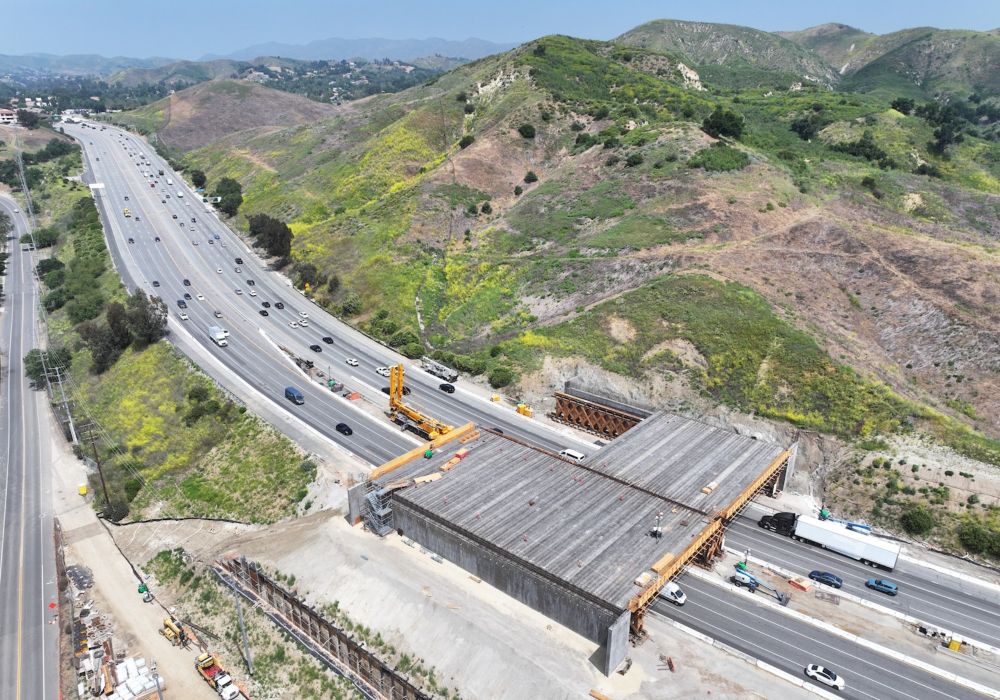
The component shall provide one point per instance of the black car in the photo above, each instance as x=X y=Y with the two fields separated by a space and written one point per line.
x=157 y=239
x=344 y=429
x=187 y=282
x=316 y=348
x=187 y=296
x=156 y=283
x=192 y=220
x=263 y=312
x=266 y=304
x=239 y=261
x=406 y=390
x=182 y=304
x=131 y=240
x=175 y=216
x=278 y=305
x=251 y=282
x=447 y=388
x=328 y=340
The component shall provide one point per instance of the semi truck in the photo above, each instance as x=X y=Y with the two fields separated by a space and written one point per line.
x=216 y=677
x=218 y=336
x=837 y=537
x=438 y=370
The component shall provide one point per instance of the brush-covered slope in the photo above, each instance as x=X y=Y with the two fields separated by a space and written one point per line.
x=561 y=201
x=732 y=55
x=179 y=74
x=835 y=43
x=210 y=111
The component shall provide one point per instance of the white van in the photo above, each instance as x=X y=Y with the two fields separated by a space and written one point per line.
x=573 y=455
x=672 y=592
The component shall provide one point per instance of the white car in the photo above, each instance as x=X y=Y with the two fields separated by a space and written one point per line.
x=252 y=293
x=304 y=323
x=199 y=297
x=219 y=270
x=825 y=676
x=384 y=371
x=184 y=316
x=352 y=362
x=239 y=291
x=303 y=314
x=293 y=324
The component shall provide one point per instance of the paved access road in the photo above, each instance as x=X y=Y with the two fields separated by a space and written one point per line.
x=28 y=635
x=943 y=601
x=766 y=634
x=116 y=170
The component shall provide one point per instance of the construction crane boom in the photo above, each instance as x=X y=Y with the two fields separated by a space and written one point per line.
x=408 y=417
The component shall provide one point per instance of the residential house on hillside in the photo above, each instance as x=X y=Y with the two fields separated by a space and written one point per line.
x=8 y=116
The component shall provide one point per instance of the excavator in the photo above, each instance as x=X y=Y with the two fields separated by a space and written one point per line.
x=408 y=417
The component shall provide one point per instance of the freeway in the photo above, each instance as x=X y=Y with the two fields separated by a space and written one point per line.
x=764 y=633
x=962 y=607
x=195 y=245
x=28 y=628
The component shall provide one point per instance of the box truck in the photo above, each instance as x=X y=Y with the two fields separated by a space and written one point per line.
x=218 y=336
x=836 y=537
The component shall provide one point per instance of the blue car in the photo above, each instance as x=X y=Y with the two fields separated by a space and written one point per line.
x=880 y=584
x=825 y=577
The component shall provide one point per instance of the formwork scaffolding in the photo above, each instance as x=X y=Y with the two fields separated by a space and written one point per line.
x=378 y=508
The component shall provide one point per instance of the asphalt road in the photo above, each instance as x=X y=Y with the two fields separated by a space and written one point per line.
x=28 y=642
x=768 y=635
x=963 y=608
x=254 y=345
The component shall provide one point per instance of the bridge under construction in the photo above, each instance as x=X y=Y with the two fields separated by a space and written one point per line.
x=589 y=544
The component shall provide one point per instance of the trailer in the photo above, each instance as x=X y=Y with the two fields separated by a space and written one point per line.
x=868 y=549
x=438 y=370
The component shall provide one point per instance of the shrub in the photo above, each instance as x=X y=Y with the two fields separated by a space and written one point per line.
x=576 y=126
x=903 y=104
x=975 y=537
x=723 y=122
x=487 y=208
x=718 y=158
x=633 y=160
x=917 y=520
x=527 y=131
x=469 y=108
x=530 y=177
x=518 y=190
x=501 y=377
x=466 y=141
x=865 y=147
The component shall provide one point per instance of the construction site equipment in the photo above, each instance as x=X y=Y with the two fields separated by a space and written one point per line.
x=174 y=632
x=410 y=418
x=525 y=410
x=438 y=370
x=217 y=678
x=742 y=577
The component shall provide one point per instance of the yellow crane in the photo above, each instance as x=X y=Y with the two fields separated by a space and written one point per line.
x=427 y=427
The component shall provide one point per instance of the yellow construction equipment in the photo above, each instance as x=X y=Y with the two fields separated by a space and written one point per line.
x=126 y=212
x=399 y=412
x=174 y=632
x=525 y=410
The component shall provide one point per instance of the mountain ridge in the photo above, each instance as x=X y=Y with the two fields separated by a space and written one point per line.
x=375 y=48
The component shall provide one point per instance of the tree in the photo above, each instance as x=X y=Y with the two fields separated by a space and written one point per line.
x=36 y=362
x=466 y=141
x=100 y=341
x=274 y=236
x=118 y=325
x=147 y=318
x=518 y=190
x=723 y=122
x=48 y=265
x=807 y=126
x=903 y=104
x=917 y=520
x=530 y=177
x=198 y=178
x=6 y=225
x=230 y=194
x=487 y=208
x=29 y=120
x=351 y=306
x=974 y=536
x=527 y=131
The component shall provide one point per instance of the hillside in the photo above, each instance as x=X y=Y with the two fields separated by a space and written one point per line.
x=179 y=73
x=370 y=49
x=559 y=210
x=749 y=56
x=211 y=111
x=43 y=64
x=835 y=43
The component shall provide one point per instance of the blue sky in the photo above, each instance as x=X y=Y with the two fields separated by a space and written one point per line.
x=192 y=28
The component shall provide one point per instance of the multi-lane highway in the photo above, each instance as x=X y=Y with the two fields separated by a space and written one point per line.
x=195 y=245
x=766 y=634
x=964 y=608
x=28 y=635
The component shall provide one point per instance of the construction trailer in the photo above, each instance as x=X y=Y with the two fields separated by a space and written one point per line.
x=588 y=544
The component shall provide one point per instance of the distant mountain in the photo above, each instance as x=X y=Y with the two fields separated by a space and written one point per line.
x=83 y=64
x=744 y=55
x=179 y=73
x=835 y=43
x=372 y=49
x=922 y=61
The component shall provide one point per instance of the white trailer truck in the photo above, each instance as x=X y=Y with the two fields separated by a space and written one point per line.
x=218 y=336
x=867 y=549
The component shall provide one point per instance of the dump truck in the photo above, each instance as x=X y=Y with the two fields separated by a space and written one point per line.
x=835 y=536
x=216 y=677
x=438 y=370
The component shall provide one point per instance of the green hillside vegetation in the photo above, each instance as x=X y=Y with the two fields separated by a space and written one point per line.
x=181 y=448
x=835 y=43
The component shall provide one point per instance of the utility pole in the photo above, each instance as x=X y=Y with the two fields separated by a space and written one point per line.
x=69 y=416
x=243 y=633
x=100 y=470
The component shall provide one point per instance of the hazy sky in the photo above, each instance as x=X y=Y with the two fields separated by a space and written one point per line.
x=192 y=28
